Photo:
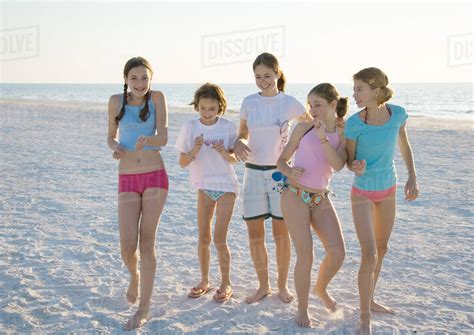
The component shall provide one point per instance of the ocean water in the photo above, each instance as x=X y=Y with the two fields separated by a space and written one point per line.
x=437 y=100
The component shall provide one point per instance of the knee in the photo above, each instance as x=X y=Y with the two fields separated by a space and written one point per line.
x=147 y=248
x=382 y=250
x=220 y=244
x=304 y=257
x=128 y=249
x=204 y=241
x=369 y=259
x=281 y=237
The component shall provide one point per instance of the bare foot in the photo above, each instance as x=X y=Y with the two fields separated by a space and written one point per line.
x=364 y=325
x=138 y=320
x=285 y=295
x=327 y=300
x=259 y=295
x=302 y=319
x=374 y=307
x=132 y=292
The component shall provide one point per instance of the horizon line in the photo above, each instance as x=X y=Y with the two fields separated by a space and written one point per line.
x=229 y=83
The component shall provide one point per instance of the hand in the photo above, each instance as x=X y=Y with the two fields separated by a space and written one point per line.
x=340 y=122
x=198 y=142
x=411 y=189
x=296 y=173
x=141 y=141
x=358 y=166
x=241 y=151
x=219 y=147
x=320 y=127
x=118 y=152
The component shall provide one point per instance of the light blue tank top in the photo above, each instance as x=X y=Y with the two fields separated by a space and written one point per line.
x=131 y=127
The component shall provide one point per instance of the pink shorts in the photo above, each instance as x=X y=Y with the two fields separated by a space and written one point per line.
x=374 y=196
x=139 y=182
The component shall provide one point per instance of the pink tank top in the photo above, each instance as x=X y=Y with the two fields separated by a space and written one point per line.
x=311 y=157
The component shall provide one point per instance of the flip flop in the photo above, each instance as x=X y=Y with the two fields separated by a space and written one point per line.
x=223 y=296
x=197 y=292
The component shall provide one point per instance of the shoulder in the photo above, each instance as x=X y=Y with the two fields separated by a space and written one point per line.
x=397 y=109
x=301 y=128
x=226 y=122
x=251 y=98
x=353 y=126
x=398 y=112
x=353 y=119
x=115 y=99
x=157 y=96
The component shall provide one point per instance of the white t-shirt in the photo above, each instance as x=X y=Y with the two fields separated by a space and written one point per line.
x=269 y=120
x=209 y=170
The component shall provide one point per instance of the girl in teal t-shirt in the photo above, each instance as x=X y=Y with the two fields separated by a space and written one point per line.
x=371 y=136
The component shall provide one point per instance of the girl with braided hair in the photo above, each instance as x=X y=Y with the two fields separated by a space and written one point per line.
x=140 y=118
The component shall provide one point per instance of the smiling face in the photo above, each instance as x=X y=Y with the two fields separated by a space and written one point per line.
x=320 y=108
x=364 y=95
x=208 y=109
x=138 y=80
x=266 y=80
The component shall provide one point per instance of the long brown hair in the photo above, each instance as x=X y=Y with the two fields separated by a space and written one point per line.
x=131 y=63
x=271 y=61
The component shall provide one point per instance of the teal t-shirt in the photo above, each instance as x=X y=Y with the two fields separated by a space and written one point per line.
x=376 y=145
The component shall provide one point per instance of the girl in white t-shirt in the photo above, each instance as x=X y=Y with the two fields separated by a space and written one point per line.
x=206 y=149
x=265 y=119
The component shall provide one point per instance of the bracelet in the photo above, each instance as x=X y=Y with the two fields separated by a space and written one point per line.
x=324 y=140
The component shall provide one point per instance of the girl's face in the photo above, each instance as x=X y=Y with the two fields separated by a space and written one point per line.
x=364 y=94
x=266 y=79
x=320 y=108
x=139 y=81
x=208 y=108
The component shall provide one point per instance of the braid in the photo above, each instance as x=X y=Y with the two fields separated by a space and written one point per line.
x=145 y=112
x=124 y=102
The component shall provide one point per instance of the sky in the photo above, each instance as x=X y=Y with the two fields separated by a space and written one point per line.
x=192 y=42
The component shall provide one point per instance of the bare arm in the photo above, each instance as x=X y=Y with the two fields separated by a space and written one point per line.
x=161 y=138
x=356 y=166
x=228 y=155
x=289 y=150
x=185 y=158
x=114 y=104
x=337 y=158
x=411 y=187
x=241 y=149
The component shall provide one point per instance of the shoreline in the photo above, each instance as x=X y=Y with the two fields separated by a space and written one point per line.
x=455 y=123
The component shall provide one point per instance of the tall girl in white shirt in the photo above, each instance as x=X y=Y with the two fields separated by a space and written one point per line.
x=265 y=119
x=205 y=144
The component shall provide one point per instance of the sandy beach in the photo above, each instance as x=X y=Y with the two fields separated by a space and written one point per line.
x=60 y=265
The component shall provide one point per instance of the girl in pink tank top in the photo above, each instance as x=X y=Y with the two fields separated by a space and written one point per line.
x=319 y=149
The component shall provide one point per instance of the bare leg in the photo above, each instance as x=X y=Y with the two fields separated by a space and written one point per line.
x=384 y=219
x=297 y=217
x=129 y=209
x=225 y=207
x=283 y=256
x=206 y=207
x=258 y=250
x=326 y=225
x=153 y=200
x=362 y=211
